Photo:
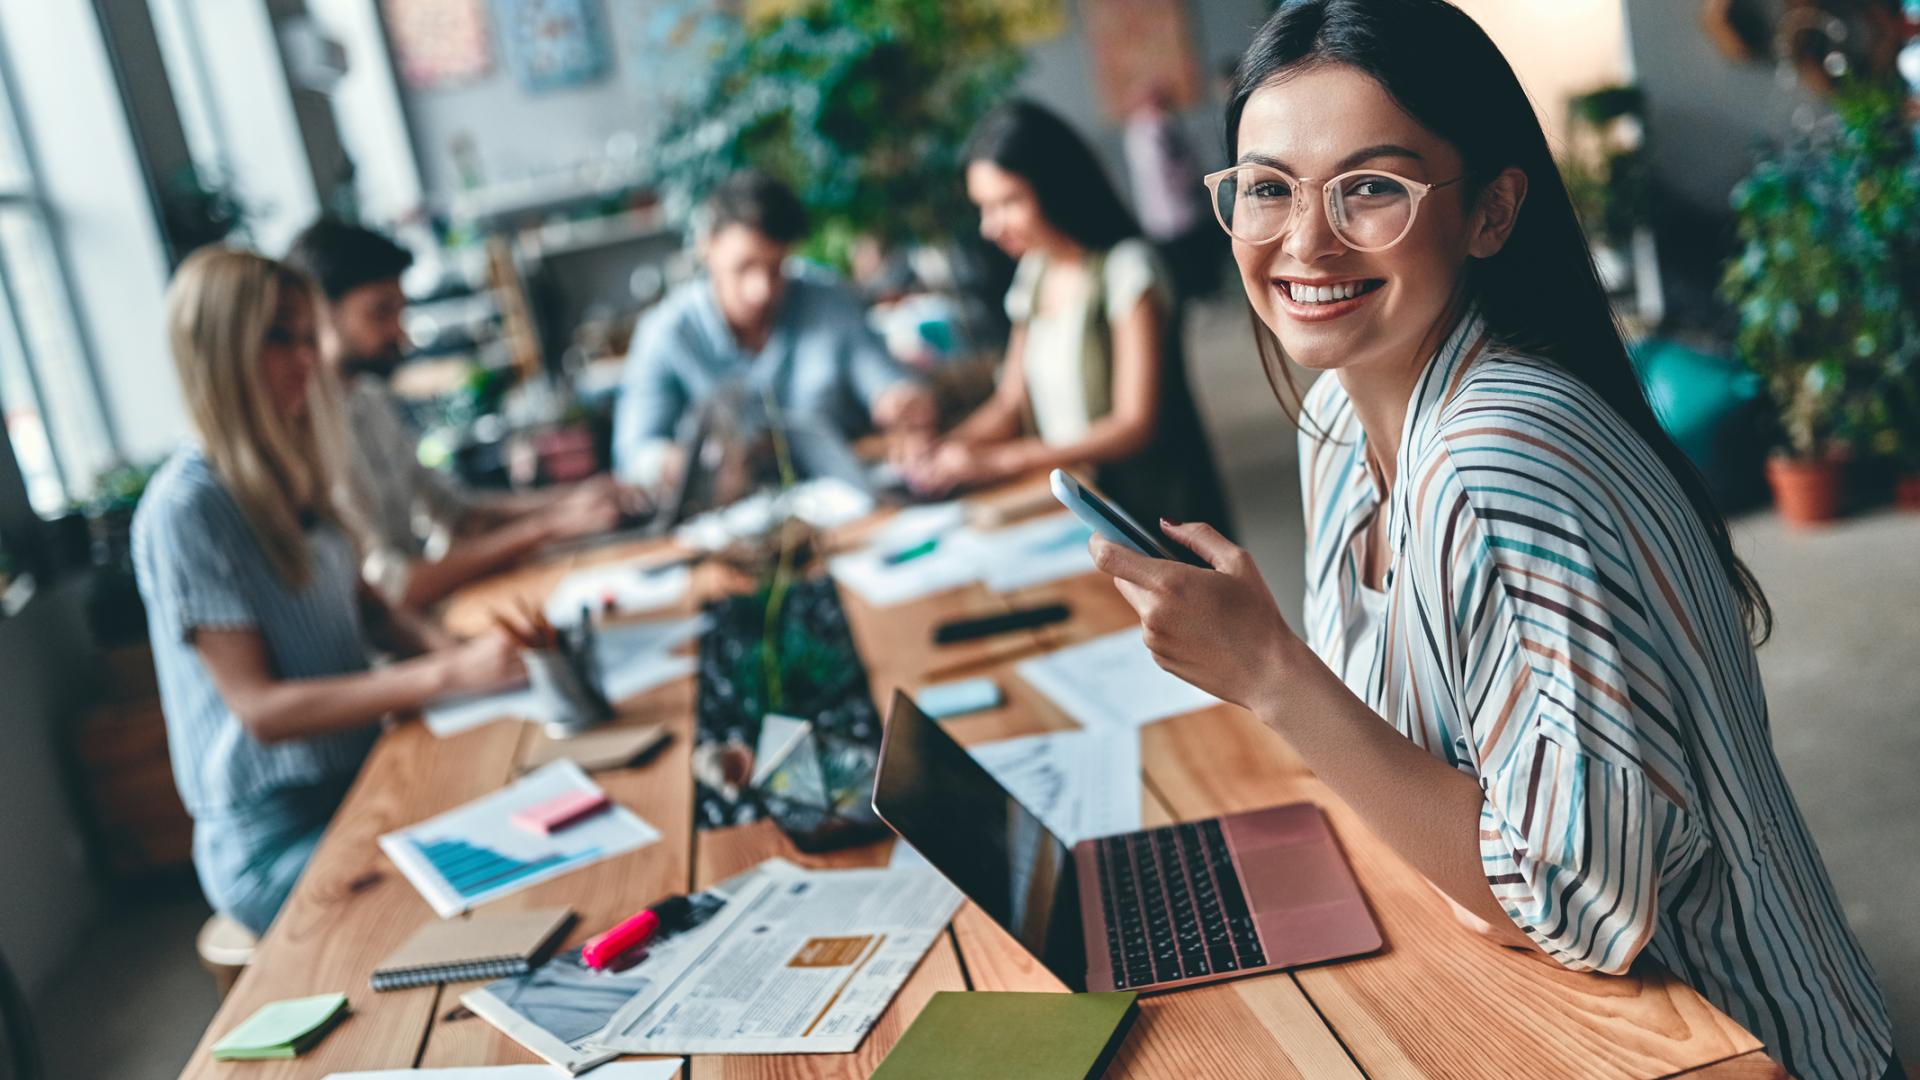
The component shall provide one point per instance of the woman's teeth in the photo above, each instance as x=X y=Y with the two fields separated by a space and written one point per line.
x=1324 y=294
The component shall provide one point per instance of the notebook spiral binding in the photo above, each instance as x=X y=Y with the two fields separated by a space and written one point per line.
x=406 y=978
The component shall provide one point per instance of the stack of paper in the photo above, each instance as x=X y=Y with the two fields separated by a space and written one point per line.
x=931 y=552
x=282 y=1029
x=473 y=854
x=1112 y=681
x=795 y=962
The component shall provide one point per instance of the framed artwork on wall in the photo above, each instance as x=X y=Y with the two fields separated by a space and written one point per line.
x=1141 y=47
x=438 y=43
x=554 y=44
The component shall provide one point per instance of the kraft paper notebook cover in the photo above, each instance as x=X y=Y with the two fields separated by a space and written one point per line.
x=967 y=1035
x=491 y=946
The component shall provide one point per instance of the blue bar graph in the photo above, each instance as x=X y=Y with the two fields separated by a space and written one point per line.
x=473 y=870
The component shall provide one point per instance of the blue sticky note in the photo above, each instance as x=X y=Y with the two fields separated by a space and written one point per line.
x=958 y=698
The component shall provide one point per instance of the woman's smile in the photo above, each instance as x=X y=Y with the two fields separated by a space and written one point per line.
x=1326 y=299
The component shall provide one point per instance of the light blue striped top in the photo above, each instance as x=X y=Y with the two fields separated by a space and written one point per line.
x=200 y=565
x=1558 y=627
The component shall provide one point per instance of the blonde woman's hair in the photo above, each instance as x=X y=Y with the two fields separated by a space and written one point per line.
x=283 y=472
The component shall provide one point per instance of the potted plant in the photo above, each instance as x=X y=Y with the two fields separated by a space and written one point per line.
x=862 y=105
x=1824 y=289
x=114 y=608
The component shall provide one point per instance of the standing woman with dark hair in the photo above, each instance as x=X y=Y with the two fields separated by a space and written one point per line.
x=1093 y=377
x=1508 y=561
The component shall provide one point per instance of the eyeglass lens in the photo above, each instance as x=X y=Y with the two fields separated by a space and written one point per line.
x=1369 y=210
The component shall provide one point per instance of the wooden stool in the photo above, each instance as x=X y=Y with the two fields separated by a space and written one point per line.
x=225 y=949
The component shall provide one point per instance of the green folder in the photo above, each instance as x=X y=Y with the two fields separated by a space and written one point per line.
x=970 y=1035
x=282 y=1029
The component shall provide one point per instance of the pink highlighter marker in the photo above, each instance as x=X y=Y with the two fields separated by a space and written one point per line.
x=632 y=933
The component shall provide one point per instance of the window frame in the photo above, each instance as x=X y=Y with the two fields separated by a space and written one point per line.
x=25 y=197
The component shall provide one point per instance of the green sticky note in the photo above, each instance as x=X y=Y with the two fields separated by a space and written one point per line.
x=282 y=1029
x=972 y=1034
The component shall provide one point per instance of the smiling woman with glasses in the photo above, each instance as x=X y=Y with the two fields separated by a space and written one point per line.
x=1508 y=561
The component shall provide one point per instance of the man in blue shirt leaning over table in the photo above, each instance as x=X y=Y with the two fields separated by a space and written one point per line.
x=757 y=323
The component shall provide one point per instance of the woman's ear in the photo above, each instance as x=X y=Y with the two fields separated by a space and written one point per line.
x=1498 y=210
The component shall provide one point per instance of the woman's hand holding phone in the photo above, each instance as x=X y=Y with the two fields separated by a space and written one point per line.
x=1216 y=627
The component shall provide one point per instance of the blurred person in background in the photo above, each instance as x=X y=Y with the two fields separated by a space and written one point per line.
x=1094 y=379
x=757 y=319
x=431 y=534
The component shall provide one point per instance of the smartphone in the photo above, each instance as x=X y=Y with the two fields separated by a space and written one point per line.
x=1113 y=523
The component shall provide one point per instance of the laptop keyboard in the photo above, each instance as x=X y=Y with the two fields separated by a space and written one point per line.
x=1174 y=905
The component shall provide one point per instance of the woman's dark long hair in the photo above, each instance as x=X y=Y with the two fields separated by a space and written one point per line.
x=1540 y=294
x=1075 y=194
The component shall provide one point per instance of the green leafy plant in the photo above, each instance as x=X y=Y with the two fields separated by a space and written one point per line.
x=1826 y=284
x=862 y=105
x=1605 y=166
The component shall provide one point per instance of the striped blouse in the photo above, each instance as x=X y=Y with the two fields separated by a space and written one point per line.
x=1558 y=627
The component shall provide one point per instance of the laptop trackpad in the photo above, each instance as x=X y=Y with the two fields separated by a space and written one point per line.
x=1294 y=875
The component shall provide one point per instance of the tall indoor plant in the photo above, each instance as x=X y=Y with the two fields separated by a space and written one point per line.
x=862 y=105
x=1824 y=286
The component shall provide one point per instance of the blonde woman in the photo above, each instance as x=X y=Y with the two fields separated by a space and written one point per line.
x=260 y=629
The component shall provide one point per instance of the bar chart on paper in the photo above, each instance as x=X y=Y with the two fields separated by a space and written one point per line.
x=475 y=853
x=473 y=870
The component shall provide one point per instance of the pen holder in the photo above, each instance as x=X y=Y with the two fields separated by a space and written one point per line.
x=567 y=681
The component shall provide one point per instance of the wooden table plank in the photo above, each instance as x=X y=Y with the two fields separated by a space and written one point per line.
x=1754 y=1066
x=352 y=907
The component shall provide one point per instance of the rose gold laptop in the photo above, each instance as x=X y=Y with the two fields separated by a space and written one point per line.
x=1147 y=910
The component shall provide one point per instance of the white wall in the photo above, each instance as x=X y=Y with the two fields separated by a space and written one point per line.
x=1706 y=114
x=367 y=110
x=252 y=117
x=91 y=177
x=1560 y=49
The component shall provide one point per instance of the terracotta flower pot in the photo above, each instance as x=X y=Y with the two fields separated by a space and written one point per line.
x=1808 y=492
x=1906 y=492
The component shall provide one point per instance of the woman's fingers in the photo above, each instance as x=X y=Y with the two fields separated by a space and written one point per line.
x=1205 y=541
x=1126 y=565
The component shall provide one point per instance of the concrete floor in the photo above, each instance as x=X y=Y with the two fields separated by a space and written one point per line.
x=1842 y=673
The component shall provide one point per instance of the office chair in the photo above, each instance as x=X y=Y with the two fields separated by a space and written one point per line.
x=19 y=1047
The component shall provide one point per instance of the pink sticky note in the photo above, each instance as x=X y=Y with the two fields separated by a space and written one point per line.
x=561 y=811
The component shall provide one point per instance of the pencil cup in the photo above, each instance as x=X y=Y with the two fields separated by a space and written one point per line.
x=564 y=681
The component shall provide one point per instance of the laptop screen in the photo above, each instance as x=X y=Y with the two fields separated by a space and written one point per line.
x=933 y=793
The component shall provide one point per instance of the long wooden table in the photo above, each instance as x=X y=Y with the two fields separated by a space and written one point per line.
x=1437 y=1001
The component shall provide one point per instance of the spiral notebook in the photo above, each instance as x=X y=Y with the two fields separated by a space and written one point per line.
x=491 y=946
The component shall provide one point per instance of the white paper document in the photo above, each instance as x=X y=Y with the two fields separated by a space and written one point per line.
x=1004 y=560
x=1080 y=784
x=805 y=964
x=557 y=1009
x=475 y=853
x=1112 y=681
x=1035 y=553
x=953 y=562
x=624 y=1070
x=618 y=588
x=634 y=658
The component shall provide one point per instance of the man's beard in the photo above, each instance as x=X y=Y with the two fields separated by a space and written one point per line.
x=381 y=366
